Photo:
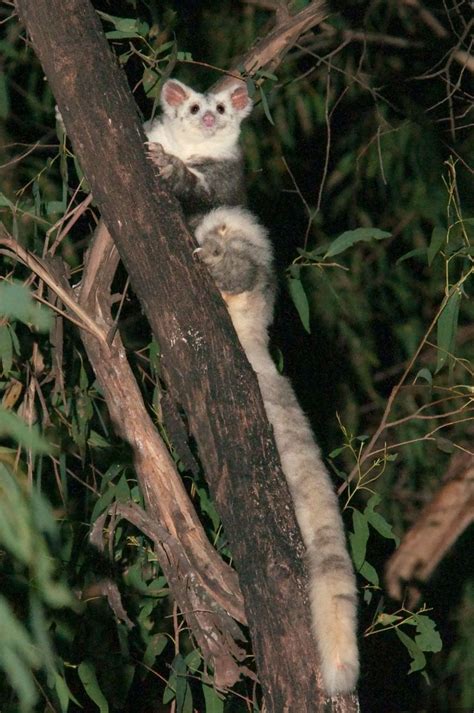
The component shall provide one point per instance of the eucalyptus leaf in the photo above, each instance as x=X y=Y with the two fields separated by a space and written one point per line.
x=370 y=574
x=427 y=638
x=425 y=374
x=16 y=302
x=6 y=349
x=214 y=704
x=300 y=300
x=438 y=238
x=358 y=538
x=351 y=237
x=12 y=426
x=378 y=521
x=266 y=108
x=416 y=252
x=86 y=673
x=418 y=658
x=446 y=329
x=4 y=97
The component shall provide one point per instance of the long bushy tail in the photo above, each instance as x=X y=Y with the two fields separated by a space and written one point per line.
x=332 y=583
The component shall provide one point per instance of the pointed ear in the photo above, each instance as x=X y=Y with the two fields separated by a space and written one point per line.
x=173 y=94
x=240 y=100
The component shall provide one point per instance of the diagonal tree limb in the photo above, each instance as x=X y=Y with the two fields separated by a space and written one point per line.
x=269 y=51
x=439 y=525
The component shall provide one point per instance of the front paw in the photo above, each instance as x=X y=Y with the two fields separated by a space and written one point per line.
x=163 y=161
x=211 y=252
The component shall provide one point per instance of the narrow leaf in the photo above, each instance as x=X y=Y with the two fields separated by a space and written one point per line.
x=16 y=302
x=214 y=704
x=4 y=98
x=424 y=374
x=266 y=108
x=89 y=680
x=27 y=436
x=6 y=349
x=358 y=539
x=298 y=295
x=446 y=329
x=350 y=237
x=438 y=238
x=417 y=252
x=369 y=573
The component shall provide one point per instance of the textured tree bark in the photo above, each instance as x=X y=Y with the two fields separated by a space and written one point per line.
x=202 y=361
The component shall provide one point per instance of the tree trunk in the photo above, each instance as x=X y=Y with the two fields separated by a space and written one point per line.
x=203 y=363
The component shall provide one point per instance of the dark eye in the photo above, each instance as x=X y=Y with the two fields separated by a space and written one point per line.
x=220 y=108
x=194 y=108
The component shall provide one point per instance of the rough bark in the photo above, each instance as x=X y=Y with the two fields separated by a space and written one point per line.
x=202 y=361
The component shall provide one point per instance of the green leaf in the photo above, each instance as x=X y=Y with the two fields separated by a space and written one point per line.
x=417 y=252
x=121 y=34
x=95 y=440
x=184 y=56
x=20 y=678
x=298 y=295
x=368 y=596
x=193 y=660
x=55 y=207
x=377 y=520
x=427 y=638
x=424 y=374
x=350 y=237
x=6 y=202
x=446 y=329
x=444 y=444
x=103 y=502
x=18 y=656
x=40 y=630
x=6 y=349
x=169 y=693
x=417 y=655
x=214 y=704
x=4 y=98
x=155 y=647
x=63 y=692
x=89 y=680
x=358 y=539
x=16 y=302
x=266 y=108
x=12 y=426
x=122 y=490
x=369 y=573
x=184 y=699
x=438 y=238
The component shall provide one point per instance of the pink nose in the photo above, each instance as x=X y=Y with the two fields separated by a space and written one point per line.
x=208 y=119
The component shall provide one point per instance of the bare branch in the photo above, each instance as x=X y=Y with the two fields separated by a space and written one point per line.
x=441 y=522
x=270 y=51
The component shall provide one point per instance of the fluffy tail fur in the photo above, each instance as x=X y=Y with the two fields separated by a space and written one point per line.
x=237 y=251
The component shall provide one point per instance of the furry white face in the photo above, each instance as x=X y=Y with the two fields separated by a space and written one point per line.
x=205 y=115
